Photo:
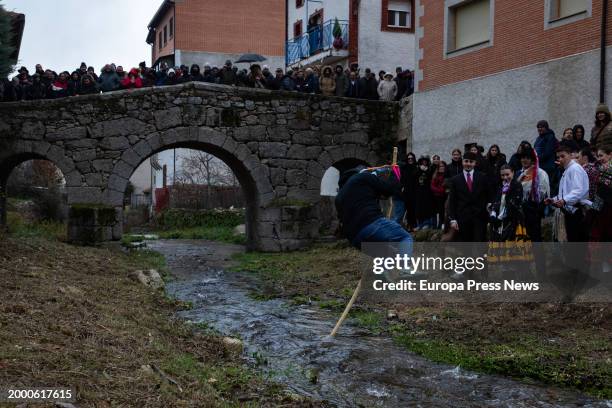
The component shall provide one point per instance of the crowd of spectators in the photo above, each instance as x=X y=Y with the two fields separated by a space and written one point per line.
x=337 y=81
x=532 y=177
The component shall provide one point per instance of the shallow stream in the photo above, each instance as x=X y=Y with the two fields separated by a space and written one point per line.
x=354 y=369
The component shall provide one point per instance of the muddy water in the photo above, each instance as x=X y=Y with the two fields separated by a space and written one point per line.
x=288 y=343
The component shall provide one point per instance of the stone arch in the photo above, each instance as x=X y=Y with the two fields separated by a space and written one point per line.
x=11 y=158
x=252 y=176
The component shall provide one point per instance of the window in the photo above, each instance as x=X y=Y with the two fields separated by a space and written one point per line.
x=171 y=27
x=297 y=29
x=299 y=3
x=468 y=24
x=160 y=41
x=399 y=14
x=567 y=8
x=165 y=35
x=560 y=12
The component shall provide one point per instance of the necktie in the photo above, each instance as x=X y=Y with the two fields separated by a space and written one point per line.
x=469 y=180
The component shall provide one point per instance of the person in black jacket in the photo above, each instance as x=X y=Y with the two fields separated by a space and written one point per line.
x=368 y=86
x=468 y=198
x=424 y=207
x=353 y=89
x=506 y=210
x=357 y=204
x=408 y=170
x=194 y=74
x=455 y=166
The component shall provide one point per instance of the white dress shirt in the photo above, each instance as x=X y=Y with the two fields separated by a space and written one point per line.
x=573 y=187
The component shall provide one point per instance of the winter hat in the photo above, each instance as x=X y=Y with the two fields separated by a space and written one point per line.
x=470 y=156
x=83 y=65
x=228 y=62
x=388 y=75
x=171 y=71
x=543 y=123
x=424 y=159
x=468 y=146
x=266 y=67
x=602 y=108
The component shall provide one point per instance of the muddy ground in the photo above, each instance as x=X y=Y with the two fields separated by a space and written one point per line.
x=72 y=317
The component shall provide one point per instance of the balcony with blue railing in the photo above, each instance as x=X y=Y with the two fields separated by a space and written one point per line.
x=317 y=40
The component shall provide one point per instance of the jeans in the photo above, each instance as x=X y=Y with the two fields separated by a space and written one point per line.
x=384 y=230
x=399 y=208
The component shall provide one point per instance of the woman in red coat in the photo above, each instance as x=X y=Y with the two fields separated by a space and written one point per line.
x=132 y=80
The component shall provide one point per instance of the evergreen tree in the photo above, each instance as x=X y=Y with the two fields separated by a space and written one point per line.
x=6 y=48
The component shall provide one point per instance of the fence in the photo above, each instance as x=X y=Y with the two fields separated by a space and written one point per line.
x=202 y=197
x=317 y=39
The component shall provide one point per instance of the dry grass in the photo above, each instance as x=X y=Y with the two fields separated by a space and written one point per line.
x=71 y=317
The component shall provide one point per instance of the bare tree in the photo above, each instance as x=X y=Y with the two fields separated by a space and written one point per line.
x=202 y=168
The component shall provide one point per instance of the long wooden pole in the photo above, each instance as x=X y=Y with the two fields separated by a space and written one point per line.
x=358 y=288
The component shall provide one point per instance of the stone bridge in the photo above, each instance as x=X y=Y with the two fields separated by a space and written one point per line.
x=278 y=144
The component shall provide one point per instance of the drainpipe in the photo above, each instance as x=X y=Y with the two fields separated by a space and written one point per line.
x=602 y=67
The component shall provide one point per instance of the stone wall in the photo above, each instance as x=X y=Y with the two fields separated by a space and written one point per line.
x=278 y=144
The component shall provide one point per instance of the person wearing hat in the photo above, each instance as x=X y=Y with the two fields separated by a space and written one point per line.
x=536 y=188
x=469 y=196
x=387 y=88
x=602 y=131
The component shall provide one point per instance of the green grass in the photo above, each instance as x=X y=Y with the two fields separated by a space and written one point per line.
x=18 y=227
x=218 y=233
x=524 y=357
x=373 y=321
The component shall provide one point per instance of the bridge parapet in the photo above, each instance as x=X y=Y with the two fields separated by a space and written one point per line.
x=278 y=144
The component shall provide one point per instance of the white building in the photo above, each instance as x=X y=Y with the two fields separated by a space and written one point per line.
x=376 y=34
x=145 y=179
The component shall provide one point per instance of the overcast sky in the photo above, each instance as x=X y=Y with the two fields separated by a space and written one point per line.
x=59 y=34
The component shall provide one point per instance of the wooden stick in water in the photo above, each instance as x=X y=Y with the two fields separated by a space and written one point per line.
x=358 y=288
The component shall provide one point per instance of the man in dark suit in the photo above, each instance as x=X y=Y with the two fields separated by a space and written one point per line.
x=469 y=195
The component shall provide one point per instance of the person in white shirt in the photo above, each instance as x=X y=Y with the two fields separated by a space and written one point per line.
x=573 y=195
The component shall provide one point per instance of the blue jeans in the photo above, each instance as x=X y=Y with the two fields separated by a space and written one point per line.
x=399 y=208
x=384 y=230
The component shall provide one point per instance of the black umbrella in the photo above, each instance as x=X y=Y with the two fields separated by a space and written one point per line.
x=250 y=58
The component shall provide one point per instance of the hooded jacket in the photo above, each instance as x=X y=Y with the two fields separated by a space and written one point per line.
x=387 y=90
x=602 y=135
x=128 y=83
x=109 y=81
x=195 y=74
x=545 y=146
x=327 y=82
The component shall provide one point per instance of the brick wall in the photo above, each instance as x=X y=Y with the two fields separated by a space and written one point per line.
x=519 y=39
x=236 y=26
